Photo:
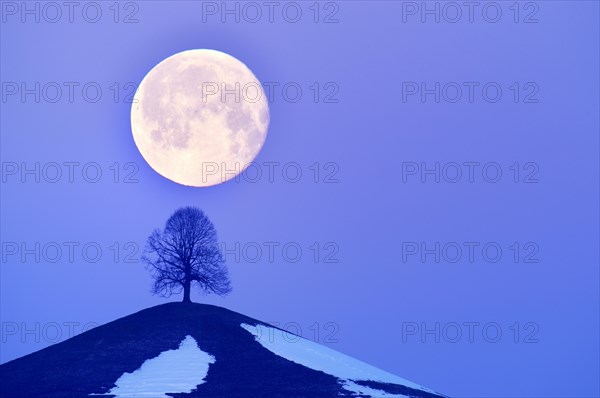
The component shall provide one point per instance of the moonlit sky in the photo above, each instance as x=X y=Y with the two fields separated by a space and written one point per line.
x=370 y=292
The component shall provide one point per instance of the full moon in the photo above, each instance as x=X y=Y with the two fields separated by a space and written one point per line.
x=200 y=117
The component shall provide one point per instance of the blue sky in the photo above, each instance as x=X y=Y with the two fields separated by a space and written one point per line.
x=369 y=207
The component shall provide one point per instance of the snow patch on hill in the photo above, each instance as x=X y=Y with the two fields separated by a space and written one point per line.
x=324 y=359
x=172 y=371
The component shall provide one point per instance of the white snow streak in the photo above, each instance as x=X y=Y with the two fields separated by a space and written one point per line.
x=172 y=371
x=319 y=357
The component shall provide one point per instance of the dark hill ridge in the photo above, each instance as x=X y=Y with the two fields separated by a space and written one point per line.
x=91 y=363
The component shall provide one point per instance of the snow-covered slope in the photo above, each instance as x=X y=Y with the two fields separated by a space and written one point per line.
x=180 y=370
x=318 y=357
x=195 y=350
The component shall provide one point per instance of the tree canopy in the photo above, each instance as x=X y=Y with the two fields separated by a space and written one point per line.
x=185 y=254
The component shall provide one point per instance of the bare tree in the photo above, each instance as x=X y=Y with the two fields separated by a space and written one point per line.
x=186 y=253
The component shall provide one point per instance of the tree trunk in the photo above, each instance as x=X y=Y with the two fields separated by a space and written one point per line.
x=186 y=291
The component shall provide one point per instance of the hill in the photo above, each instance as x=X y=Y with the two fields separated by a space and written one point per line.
x=195 y=350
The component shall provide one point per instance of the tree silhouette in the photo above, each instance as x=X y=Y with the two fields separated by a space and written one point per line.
x=186 y=253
